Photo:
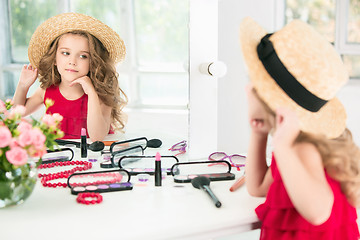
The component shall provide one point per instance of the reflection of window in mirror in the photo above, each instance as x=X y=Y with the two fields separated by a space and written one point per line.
x=338 y=21
x=154 y=74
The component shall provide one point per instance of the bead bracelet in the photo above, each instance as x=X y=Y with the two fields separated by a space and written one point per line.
x=96 y=198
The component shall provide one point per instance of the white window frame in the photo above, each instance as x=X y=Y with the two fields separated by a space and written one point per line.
x=341 y=22
x=341 y=44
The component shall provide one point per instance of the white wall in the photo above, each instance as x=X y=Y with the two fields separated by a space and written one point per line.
x=233 y=130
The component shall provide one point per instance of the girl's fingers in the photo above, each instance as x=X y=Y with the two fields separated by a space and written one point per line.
x=258 y=123
x=29 y=67
x=279 y=118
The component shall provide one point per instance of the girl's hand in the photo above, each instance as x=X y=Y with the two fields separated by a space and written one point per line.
x=258 y=117
x=28 y=76
x=287 y=128
x=85 y=83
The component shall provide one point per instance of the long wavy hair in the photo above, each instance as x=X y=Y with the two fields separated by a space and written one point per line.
x=102 y=73
x=340 y=157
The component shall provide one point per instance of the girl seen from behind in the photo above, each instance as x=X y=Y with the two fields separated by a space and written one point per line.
x=313 y=183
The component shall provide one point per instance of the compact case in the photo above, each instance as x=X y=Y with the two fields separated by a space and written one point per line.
x=119 y=149
x=146 y=164
x=102 y=181
x=120 y=145
x=111 y=158
x=214 y=170
x=58 y=155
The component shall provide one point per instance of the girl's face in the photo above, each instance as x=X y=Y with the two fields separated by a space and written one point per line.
x=72 y=57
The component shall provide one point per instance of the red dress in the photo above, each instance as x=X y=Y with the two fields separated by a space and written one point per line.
x=280 y=220
x=74 y=112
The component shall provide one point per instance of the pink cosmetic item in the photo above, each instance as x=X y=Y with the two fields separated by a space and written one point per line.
x=99 y=182
x=238 y=183
x=83 y=145
x=158 y=176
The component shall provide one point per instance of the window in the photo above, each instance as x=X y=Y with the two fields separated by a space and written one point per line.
x=338 y=21
x=155 y=71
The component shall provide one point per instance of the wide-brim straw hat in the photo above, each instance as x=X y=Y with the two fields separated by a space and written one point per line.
x=311 y=60
x=55 y=26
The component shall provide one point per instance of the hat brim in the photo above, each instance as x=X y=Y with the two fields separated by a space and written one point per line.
x=55 y=26
x=330 y=120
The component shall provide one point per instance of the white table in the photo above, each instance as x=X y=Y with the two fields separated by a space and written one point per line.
x=172 y=211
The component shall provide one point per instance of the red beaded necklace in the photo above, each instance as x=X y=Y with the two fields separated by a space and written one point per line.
x=45 y=178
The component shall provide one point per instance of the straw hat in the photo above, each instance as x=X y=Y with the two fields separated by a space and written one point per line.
x=49 y=30
x=305 y=73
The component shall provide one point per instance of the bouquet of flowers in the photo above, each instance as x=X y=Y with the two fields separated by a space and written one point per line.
x=21 y=139
x=23 y=142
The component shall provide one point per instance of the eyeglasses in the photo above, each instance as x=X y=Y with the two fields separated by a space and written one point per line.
x=236 y=160
x=180 y=146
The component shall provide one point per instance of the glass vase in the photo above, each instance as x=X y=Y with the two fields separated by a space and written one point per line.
x=17 y=185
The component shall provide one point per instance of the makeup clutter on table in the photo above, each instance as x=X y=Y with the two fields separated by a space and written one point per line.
x=119 y=161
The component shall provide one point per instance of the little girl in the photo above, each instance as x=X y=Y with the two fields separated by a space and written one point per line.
x=313 y=183
x=75 y=57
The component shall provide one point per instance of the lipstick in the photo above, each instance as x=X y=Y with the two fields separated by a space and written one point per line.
x=158 y=169
x=83 y=145
x=237 y=184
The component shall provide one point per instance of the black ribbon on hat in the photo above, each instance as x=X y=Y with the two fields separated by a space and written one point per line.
x=284 y=79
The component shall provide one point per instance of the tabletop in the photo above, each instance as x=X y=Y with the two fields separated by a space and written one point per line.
x=172 y=211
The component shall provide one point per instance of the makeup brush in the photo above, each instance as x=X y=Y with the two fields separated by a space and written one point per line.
x=203 y=183
x=154 y=143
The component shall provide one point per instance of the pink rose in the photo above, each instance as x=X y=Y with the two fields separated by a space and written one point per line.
x=17 y=156
x=24 y=126
x=40 y=153
x=25 y=138
x=5 y=136
x=57 y=117
x=49 y=120
x=14 y=143
x=38 y=138
x=17 y=110
x=2 y=107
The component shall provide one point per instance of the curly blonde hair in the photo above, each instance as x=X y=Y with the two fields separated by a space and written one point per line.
x=340 y=157
x=102 y=73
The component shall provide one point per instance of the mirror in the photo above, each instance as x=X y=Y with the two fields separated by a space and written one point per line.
x=154 y=74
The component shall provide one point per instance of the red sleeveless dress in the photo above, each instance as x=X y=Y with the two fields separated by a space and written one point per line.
x=280 y=220
x=74 y=112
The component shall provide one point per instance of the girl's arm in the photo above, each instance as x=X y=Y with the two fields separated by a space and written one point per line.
x=99 y=115
x=300 y=166
x=27 y=78
x=98 y=119
x=258 y=174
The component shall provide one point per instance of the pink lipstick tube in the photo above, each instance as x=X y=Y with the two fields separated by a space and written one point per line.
x=83 y=144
